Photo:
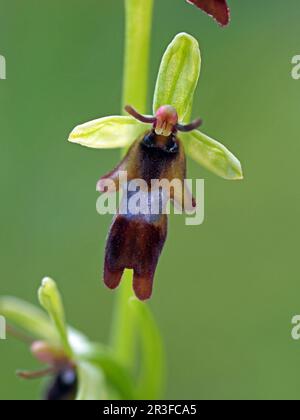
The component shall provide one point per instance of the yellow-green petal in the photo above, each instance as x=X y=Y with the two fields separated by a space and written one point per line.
x=108 y=132
x=212 y=155
x=178 y=76
x=50 y=299
x=28 y=317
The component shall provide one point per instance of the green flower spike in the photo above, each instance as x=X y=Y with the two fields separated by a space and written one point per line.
x=176 y=84
x=81 y=370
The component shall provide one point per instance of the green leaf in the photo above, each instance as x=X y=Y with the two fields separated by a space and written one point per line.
x=91 y=384
x=152 y=376
x=212 y=155
x=50 y=299
x=178 y=76
x=116 y=375
x=108 y=132
x=124 y=328
x=28 y=317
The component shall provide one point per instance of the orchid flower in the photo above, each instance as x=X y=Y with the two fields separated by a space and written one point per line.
x=158 y=146
x=77 y=368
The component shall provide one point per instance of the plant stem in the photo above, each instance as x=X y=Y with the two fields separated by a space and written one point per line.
x=137 y=47
x=123 y=333
x=136 y=67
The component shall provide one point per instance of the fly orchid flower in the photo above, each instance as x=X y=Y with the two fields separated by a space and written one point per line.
x=157 y=150
x=63 y=371
x=78 y=368
x=71 y=361
x=136 y=240
x=218 y=9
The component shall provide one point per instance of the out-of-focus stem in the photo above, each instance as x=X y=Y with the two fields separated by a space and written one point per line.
x=136 y=68
x=123 y=338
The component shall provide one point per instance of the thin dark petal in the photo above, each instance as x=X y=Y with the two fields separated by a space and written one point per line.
x=37 y=374
x=218 y=9
x=185 y=128
x=113 y=175
x=142 y=118
x=19 y=335
x=129 y=164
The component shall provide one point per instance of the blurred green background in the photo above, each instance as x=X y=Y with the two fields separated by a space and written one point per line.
x=226 y=291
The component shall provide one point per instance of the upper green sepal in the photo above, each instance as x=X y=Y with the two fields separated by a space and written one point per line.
x=212 y=155
x=51 y=301
x=178 y=76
